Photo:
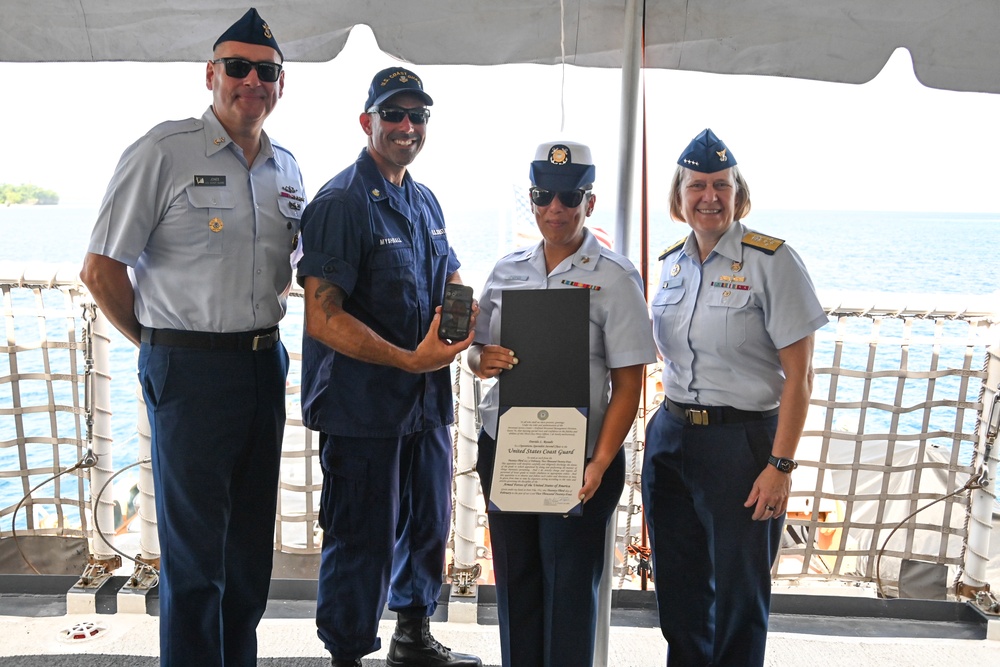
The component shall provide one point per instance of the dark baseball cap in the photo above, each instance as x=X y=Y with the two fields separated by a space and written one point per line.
x=393 y=80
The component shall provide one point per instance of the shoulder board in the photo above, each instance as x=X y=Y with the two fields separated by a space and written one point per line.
x=766 y=244
x=677 y=244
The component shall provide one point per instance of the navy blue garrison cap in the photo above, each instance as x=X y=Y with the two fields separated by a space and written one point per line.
x=561 y=166
x=707 y=154
x=250 y=29
x=394 y=80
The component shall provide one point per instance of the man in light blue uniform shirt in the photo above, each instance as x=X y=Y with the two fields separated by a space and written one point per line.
x=376 y=385
x=734 y=319
x=191 y=260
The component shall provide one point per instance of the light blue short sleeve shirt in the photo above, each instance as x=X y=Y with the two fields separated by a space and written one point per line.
x=208 y=240
x=620 y=331
x=719 y=325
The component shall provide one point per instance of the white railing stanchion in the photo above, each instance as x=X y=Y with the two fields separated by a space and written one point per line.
x=101 y=471
x=981 y=512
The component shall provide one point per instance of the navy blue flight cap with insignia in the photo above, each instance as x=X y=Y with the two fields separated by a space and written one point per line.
x=250 y=29
x=393 y=80
x=707 y=154
x=562 y=166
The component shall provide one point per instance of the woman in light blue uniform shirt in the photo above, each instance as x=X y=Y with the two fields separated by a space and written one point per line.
x=734 y=319
x=548 y=566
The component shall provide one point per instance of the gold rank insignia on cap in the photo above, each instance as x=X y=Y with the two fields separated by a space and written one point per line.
x=722 y=155
x=766 y=244
x=215 y=224
x=559 y=155
x=267 y=31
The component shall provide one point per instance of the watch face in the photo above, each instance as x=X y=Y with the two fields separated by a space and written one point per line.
x=784 y=465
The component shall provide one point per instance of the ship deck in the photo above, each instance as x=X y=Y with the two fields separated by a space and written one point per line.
x=806 y=629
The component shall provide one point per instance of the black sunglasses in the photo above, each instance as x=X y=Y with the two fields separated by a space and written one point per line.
x=571 y=199
x=239 y=68
x=418 y=116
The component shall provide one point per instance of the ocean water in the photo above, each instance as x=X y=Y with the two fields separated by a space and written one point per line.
x=845 y=251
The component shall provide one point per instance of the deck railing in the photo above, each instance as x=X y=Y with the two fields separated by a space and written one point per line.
x=896 y=425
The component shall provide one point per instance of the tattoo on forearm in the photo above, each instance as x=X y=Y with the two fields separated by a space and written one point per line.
x=329 y=299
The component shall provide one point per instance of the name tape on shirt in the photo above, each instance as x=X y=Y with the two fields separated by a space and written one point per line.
x=209 y=180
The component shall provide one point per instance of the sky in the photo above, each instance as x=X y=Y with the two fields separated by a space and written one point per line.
x=890 y=144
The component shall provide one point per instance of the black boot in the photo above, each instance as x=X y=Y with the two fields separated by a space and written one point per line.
x=412 y=645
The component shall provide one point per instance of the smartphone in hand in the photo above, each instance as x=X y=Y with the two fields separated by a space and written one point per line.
x=456 y=312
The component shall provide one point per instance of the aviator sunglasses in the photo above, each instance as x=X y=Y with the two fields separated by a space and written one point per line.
x=239 y=68
x=418 y=116
x=571 y=199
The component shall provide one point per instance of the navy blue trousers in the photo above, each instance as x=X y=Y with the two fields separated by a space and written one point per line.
x=386 y=514
x=711 y=561
x=217 y=419
x=548 y=572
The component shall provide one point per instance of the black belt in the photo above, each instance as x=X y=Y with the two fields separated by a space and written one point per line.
x=703 y=415
x=246 y=341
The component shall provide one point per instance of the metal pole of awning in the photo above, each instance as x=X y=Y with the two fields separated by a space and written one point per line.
x=631 y=63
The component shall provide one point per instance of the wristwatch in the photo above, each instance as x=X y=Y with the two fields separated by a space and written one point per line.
x=784 y=465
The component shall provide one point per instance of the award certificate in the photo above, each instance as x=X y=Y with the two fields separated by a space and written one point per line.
x=542 y=431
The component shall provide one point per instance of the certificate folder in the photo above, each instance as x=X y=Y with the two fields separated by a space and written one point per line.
x=549 y=331
x=542 y=434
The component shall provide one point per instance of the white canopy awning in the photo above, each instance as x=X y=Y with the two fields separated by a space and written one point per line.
x=952 y=42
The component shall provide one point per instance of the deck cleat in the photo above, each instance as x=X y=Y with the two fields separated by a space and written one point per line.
x=98 y=571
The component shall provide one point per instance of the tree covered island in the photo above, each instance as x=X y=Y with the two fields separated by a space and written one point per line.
x=26 y=193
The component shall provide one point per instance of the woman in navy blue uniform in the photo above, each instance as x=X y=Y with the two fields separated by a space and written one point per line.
x=548 y=566
x=734 y=319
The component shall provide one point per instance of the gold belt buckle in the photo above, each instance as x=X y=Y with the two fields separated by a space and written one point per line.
x=697 y=417
x=259 y=340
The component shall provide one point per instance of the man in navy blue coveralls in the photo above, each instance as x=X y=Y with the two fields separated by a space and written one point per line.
x=376 y=385
x=191 y=260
